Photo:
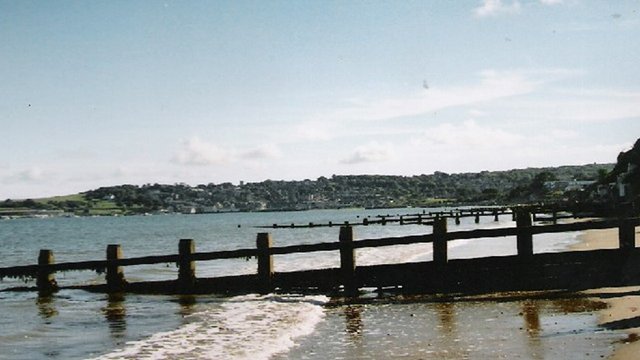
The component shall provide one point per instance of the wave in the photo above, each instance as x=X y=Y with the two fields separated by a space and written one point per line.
x=243 y=327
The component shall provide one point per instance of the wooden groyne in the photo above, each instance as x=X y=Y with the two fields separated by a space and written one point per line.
x=424 y=218
x=572 y=270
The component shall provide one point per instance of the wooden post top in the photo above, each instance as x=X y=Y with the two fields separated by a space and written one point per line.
x=346 y=234
x=524 y=238
x=265 y=262
x=347 y=260
x=264 y=240
x=45 y=280
x=187 y=267
x=186 y=246
x=440 y=253
x=45 y=257
x=115 y=274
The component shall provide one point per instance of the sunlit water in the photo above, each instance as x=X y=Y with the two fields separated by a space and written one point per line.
x=75 y=324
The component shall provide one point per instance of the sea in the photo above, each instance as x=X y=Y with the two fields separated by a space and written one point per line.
x=75 y=324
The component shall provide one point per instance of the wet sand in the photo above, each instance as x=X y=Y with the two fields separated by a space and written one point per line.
x=509 y=326
x=476 y=329
x=623 y=311
x=536 y=325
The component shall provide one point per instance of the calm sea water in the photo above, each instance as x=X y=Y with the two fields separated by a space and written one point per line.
x=75 y=324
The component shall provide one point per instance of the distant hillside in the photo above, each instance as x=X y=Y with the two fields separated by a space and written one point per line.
x=617 y=192
x=369 y=191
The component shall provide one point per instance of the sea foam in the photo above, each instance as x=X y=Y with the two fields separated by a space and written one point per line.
x=243 y=327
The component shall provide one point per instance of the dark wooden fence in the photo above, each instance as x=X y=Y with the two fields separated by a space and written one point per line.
x=524 y=271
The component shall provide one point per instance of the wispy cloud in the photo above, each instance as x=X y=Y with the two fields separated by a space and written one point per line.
x=490 y=8
x=30 y=175
x=578 y=105
x=313 y=130
x=475 y=146
x=269 y=151
x=489 y=85
x=468 y=134
x=494 y=8
x=371 y=152
x=197 y=152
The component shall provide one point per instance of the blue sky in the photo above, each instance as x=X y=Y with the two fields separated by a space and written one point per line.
x=99 y=93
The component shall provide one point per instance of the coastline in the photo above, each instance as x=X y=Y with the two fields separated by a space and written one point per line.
x=623 y=304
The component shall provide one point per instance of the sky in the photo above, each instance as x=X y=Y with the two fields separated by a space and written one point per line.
x=102 y=93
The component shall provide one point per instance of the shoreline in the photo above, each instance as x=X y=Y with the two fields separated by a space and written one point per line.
x=623 y=304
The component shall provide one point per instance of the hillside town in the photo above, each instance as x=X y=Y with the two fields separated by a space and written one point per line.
x=338 y=191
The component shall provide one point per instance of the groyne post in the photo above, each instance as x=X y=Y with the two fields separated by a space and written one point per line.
x=187 y=267
x=264 y=242
x=45 y=281
x=626 y=234
x=115 y=273
x=347 y=260
x=440 y=256
x=524 y=237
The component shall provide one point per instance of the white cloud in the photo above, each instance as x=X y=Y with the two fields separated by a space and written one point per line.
x=313 y=130
x=551 y=2
x=468 y=134
x=490 y=85
x=195 y=151
x=576 y=105
x=472 y=146
x=562 y=134
x=268 y=151
x=497 y=7
x=371 y=152
x=31 y=175
x=477 y=113
x=491 y=8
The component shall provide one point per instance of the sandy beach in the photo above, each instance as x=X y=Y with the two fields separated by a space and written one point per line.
x=623 y=311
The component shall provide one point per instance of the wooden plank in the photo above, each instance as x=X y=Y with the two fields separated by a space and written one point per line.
x=304 y=248
x=390 y=241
